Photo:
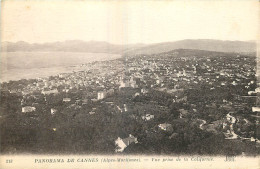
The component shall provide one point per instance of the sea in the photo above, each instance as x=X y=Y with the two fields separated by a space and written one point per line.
x=31 y=65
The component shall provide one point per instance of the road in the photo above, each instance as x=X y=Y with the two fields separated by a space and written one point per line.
x=233 y=120
x=203 y=122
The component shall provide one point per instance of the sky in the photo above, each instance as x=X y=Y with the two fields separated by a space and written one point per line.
x=128 y=22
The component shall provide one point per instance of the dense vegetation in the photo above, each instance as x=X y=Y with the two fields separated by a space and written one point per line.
x=74 y=130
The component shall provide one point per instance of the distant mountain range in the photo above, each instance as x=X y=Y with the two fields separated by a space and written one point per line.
x=66 y=46
x=104 y=47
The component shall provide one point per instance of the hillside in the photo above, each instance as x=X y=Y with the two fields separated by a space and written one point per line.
x=208 y=45
x=192 y=52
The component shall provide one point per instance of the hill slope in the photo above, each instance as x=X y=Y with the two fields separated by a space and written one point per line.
x=208 y=45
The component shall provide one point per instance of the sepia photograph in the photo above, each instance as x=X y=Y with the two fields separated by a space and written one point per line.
x=127 y=79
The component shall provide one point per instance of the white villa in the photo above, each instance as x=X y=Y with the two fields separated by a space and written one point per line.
x=123 y=143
